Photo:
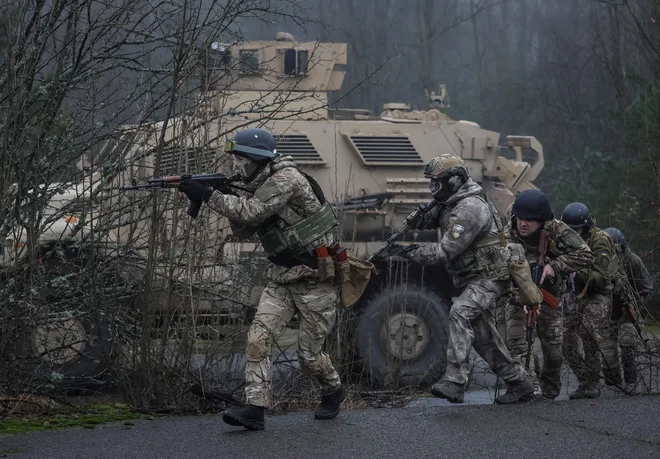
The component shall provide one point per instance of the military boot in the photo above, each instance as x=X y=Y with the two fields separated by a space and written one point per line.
x=452 y=391
x=629 y=366
x=520 y=391
x=585 y=392
x=249 y=416
x=330 y=404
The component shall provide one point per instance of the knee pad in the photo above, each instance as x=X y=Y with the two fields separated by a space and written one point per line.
x=257 y=343
x=555 y=357
x=627 y=335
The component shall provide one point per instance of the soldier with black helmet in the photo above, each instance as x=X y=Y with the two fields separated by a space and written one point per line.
x=589 y=319
x=637 y=290
x=561 y=251
x=475 y=253
x=295 y=225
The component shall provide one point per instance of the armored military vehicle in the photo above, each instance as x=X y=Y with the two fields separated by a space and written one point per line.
x=369 y=165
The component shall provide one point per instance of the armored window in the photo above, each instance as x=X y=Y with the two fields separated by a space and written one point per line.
x=385 y=150
x=219 y=57
x=300 y=148
x=296 y=61
x=249 y=61
x=303 y=58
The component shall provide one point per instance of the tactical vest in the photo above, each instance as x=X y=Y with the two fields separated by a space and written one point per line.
x=588 y=288
x=288 y=233
x=487 y=257
x=554 y=285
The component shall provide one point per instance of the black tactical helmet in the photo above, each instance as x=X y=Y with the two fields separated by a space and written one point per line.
x=257 y=145
x=577 y=215
x=616 y=235
x=532 y=205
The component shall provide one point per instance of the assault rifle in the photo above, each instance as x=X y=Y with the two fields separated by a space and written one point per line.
x=548 y=298
x=217 y=181
x=411 y=221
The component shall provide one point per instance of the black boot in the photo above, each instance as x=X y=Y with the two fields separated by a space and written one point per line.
x=629 y=365
x=520 y=391
x=585 y=391
x=330 y=404
x=249 y=416
x=453 y=392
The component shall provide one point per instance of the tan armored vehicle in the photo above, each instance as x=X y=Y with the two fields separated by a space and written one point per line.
x=369 y=165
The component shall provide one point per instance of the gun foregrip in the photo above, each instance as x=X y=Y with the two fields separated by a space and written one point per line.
x=193 y=208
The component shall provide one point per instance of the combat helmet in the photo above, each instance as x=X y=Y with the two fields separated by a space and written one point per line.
x=253 y=149
x=616 y=235
x=257 y=145
x=577 y=215
x=532 y=205
x=447 y=173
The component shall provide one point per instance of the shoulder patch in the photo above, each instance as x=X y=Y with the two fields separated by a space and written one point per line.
x=457 y=231
x=571 y=239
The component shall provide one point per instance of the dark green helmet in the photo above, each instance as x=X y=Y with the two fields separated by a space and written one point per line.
x=577 y=215
x=532 y=205
x=257 y=145
x=616 y=235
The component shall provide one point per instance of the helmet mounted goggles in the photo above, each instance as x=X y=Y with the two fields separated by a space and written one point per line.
x=251 y=153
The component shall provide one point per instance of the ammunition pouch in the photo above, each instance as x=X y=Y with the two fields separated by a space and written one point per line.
x=326 y=267
x=277 y=236
x=343 y=271
x=521 y=275
x=491 y=258
x=353 y=275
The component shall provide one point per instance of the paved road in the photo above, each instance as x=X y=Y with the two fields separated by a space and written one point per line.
x=610 y=428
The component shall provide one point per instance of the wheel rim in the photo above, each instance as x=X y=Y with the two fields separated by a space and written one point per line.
x=60 y=342
x=405 y=335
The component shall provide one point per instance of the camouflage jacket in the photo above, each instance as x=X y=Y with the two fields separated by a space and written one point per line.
x=603 y=276
x=566 y=252
x=636 y=273
x=469 y=247
x=280 y=189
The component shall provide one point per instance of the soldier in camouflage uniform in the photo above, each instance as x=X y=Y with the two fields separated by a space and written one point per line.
x=637 y=290
x=588 y=320
x=474 y=252
x=566 y=252
x=295 y=225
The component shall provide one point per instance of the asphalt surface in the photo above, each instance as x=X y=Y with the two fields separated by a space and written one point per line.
x=626 y=427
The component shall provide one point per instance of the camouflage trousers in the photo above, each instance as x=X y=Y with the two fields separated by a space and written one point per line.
x=315 y=304
x=588 y=324
x=472 y=324
x=549 y=331
x=624 y=331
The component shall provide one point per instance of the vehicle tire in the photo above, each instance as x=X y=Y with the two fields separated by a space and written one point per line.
x=67 y=344
x=68 y=352
x=402 y=337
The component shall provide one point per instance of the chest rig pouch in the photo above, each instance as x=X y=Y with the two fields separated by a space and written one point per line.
x=277 y=236
x=293 y=235
x=488 y=255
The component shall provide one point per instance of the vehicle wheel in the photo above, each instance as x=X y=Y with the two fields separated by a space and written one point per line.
x=68 y=351
x=402 y=337
x=67 y=344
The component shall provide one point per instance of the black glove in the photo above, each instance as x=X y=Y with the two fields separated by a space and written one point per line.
x=195 y=191
x=224 y=189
